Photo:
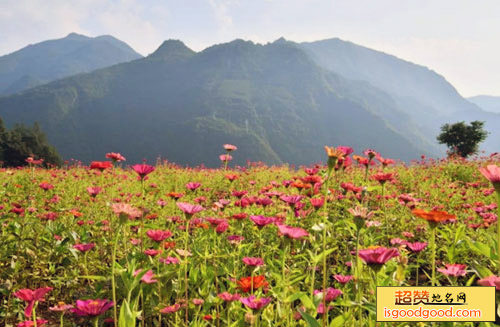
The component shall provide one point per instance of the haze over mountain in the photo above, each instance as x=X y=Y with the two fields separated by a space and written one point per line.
x=427 y=97
x=271 y=100
x=487 y=102
x=50 y=60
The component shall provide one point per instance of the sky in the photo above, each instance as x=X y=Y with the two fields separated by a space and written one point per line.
x=459 y=39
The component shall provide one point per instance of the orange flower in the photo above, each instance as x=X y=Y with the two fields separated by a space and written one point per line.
x=245 y=283
x=433 y=216
x=333 y=152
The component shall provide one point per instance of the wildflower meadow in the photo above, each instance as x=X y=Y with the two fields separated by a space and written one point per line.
x=125 y=244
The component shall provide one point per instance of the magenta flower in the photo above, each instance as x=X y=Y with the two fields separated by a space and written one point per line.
x=292 y=232
x=251 y=261
x=91 y=308
x=378 y=256
x=31 y=297
x=228 y=297
x=192 y=186
x=331 y=293
x=84 y=247
x=235 y=239
x=343 y=279
x=189 y=209
x=46 y=186
x=416 y=246
x=291 y=200
x=152 y=252
x=255 y=303
x=454 y=270
x=158 y=235
x=147 y=277
x=262 y=221
x=490 y=281
x=347 y=150
x=143 y=170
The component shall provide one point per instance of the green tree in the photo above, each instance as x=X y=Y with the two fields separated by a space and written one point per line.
x=462 y=139
x=21 y=142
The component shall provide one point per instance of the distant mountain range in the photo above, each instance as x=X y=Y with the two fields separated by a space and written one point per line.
x=487 y=102
x=50 y=60
x=279 y=102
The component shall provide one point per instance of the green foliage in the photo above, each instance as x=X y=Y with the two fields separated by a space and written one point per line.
x=21 y=142
x=462 y=139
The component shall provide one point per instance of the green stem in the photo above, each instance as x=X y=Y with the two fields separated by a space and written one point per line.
x=96 y=322
x=433 y=256
x=358 y=280
x=113 y=282
x=325 y=220
x=34 y=314
x=186 y=271
x=61 y=324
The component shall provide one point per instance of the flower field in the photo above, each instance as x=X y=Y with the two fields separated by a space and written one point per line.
x=111 y=244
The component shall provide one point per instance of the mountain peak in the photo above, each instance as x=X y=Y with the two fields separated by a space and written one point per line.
x=172 y=49
x=76 y=36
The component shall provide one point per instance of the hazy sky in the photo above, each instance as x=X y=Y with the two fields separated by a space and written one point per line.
x=459 y=39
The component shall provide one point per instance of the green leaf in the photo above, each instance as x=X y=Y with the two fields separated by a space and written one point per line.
x=304 y=299
x=338 y=321
x=127 y=317
x=320 y=256
x=311 y=322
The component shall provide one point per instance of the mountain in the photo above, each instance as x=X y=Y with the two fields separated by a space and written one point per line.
x=273 y=101
x=487 y=102
x=423 y=94
x=51 y=60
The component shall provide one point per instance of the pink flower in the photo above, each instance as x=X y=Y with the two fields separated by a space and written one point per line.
x=126 y=209
x=317 y=202
x=235 y=239
x=490 y=281
x=343 y=279
x=31 y=297
x=147 y=277
x=262 y=221
x=46 y=186
x=91 y=308
x=169 y=260
x=382 y=178
x=230 y=147
x=84 y=247
x=331 y=293
x=228 y=297
x=192 y=186
x=251 y=261
x=222 y=227
x=143 y=170
x=171 y=308
x=454 y=270
x=115 y=157
x=158 y=235
x=292 y=232
x=152 y=252
x=378 y=256
x=416 y=246
x=291 y=200
x=255 y=303
x=370 y=153
x=189 y=209
x=94 y=191
x=492 y=173
x=198 y=301
x=225 y=157
x=60 y=307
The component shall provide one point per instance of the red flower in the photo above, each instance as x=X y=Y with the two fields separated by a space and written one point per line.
x=31 y=297
x=101 y=165
x=245 y=283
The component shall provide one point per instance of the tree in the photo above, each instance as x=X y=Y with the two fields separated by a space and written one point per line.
x=21 y=142
x=463 y=139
